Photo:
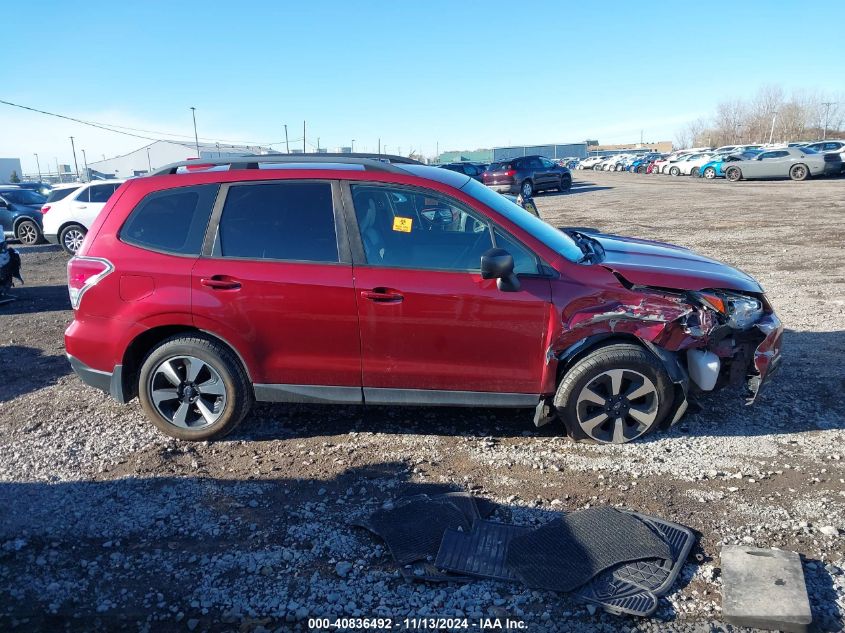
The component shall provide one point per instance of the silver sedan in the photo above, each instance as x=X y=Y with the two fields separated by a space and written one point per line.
x=797 y=163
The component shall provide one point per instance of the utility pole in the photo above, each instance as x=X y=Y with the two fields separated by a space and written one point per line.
x=303 y=137
x=772 y=131
x=379 y=146
x=196 y=138
x=58 y=173
x=75 y=164
x=287 y=145
x=85 y=160
x=352 y=149
x=150 y=163
x=318 y=144
x=826 y=105
x=218 y=150
x=38 y=162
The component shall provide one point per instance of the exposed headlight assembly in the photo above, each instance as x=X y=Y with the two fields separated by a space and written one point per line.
x=740 y=311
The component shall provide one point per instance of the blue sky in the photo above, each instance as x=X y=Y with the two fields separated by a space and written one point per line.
x=464 y=74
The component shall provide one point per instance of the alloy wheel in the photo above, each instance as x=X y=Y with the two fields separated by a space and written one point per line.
x=72 y=240
x=27 y=233
x=617 y=406
x=188 y=392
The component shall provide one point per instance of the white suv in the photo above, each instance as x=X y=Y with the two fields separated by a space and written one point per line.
x=71 y=209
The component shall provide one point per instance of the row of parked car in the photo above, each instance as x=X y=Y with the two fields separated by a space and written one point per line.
x=35 y=212
x=524 y=175
x=797 y=161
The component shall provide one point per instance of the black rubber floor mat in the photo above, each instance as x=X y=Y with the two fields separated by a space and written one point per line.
x=413 y=529
x=463 y=502
x=619 y=597
x=634 y=587
x=480 y=552
x=567 y=552
x=421 y=571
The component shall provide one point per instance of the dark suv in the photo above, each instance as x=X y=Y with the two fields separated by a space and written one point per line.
x=346 y=279
x=20 y=214
x=526 y=175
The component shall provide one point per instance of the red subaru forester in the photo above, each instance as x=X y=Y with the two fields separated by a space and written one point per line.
x=355 y=279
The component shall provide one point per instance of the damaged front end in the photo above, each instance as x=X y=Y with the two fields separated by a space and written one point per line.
x=704 y=339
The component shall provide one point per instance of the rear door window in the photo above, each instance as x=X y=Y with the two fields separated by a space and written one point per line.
x=288 y=221
x=171 y=220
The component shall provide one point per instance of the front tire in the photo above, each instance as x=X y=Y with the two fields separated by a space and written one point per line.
x=28 y=232
x=564 y=185
x=710 y=173
x=614 y=395
x=799 y=172
x=71 y=238
x=674 y=171
x=694 y=172
x=194 y=388
x=733 y=174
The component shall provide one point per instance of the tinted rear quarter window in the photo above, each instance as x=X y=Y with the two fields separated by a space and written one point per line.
x=101 y=193
x=61 y=194
x=172 y=220
x=291 y=221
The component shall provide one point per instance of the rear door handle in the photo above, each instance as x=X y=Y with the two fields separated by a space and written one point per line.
x=383 y=295
x=220 y=282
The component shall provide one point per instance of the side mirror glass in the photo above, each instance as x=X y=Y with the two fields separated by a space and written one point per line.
x=497 y=264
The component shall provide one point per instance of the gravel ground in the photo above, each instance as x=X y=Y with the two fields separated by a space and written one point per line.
x=106 y=524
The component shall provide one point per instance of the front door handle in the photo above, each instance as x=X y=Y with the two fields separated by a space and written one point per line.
x=383 y=295
x=220 y=282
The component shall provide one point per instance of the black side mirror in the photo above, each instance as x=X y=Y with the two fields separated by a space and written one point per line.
x=4 y=204
x=497 y=264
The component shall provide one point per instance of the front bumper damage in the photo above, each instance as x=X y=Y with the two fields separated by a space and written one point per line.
x=668 y=324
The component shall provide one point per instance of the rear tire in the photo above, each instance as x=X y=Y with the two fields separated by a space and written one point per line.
x=28 y=232
x=614 y=394
x=71 y=237
x=799 y=172
x=674 y=171
x=641 y=169
x=710 y=173
x=208 y=404
x=733 y=174
x=694 y=172
x=527 y=188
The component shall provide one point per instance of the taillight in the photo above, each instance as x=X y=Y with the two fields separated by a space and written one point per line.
x=510 y=173
x=84 y=273
x=45 y=208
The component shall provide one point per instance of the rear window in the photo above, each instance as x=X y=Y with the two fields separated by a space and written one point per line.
x=61 y=194
x=502 y=166
x=172 y=221
x=808 y=150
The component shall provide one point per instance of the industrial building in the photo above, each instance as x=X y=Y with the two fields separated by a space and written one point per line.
x=551 y=150
x=160 y=153
x=9 y=169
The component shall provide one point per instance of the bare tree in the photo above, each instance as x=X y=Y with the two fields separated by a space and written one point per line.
x=805 y=115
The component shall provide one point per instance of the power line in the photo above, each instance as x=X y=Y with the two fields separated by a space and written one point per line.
x=111 y=128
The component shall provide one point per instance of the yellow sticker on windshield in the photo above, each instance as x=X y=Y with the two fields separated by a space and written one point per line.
x=403 y=225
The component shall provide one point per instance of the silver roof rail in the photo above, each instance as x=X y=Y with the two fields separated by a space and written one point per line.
x=375 y=162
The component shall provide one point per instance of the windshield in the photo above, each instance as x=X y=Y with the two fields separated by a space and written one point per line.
x=23 y=196
x=555 y=239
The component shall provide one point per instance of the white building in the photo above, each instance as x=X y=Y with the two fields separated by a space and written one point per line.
x=9 y=166
x=161 y=153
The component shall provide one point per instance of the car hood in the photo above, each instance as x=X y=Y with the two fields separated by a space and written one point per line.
x=650 y=263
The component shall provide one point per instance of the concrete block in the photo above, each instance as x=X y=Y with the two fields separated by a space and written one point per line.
x=764 y=589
